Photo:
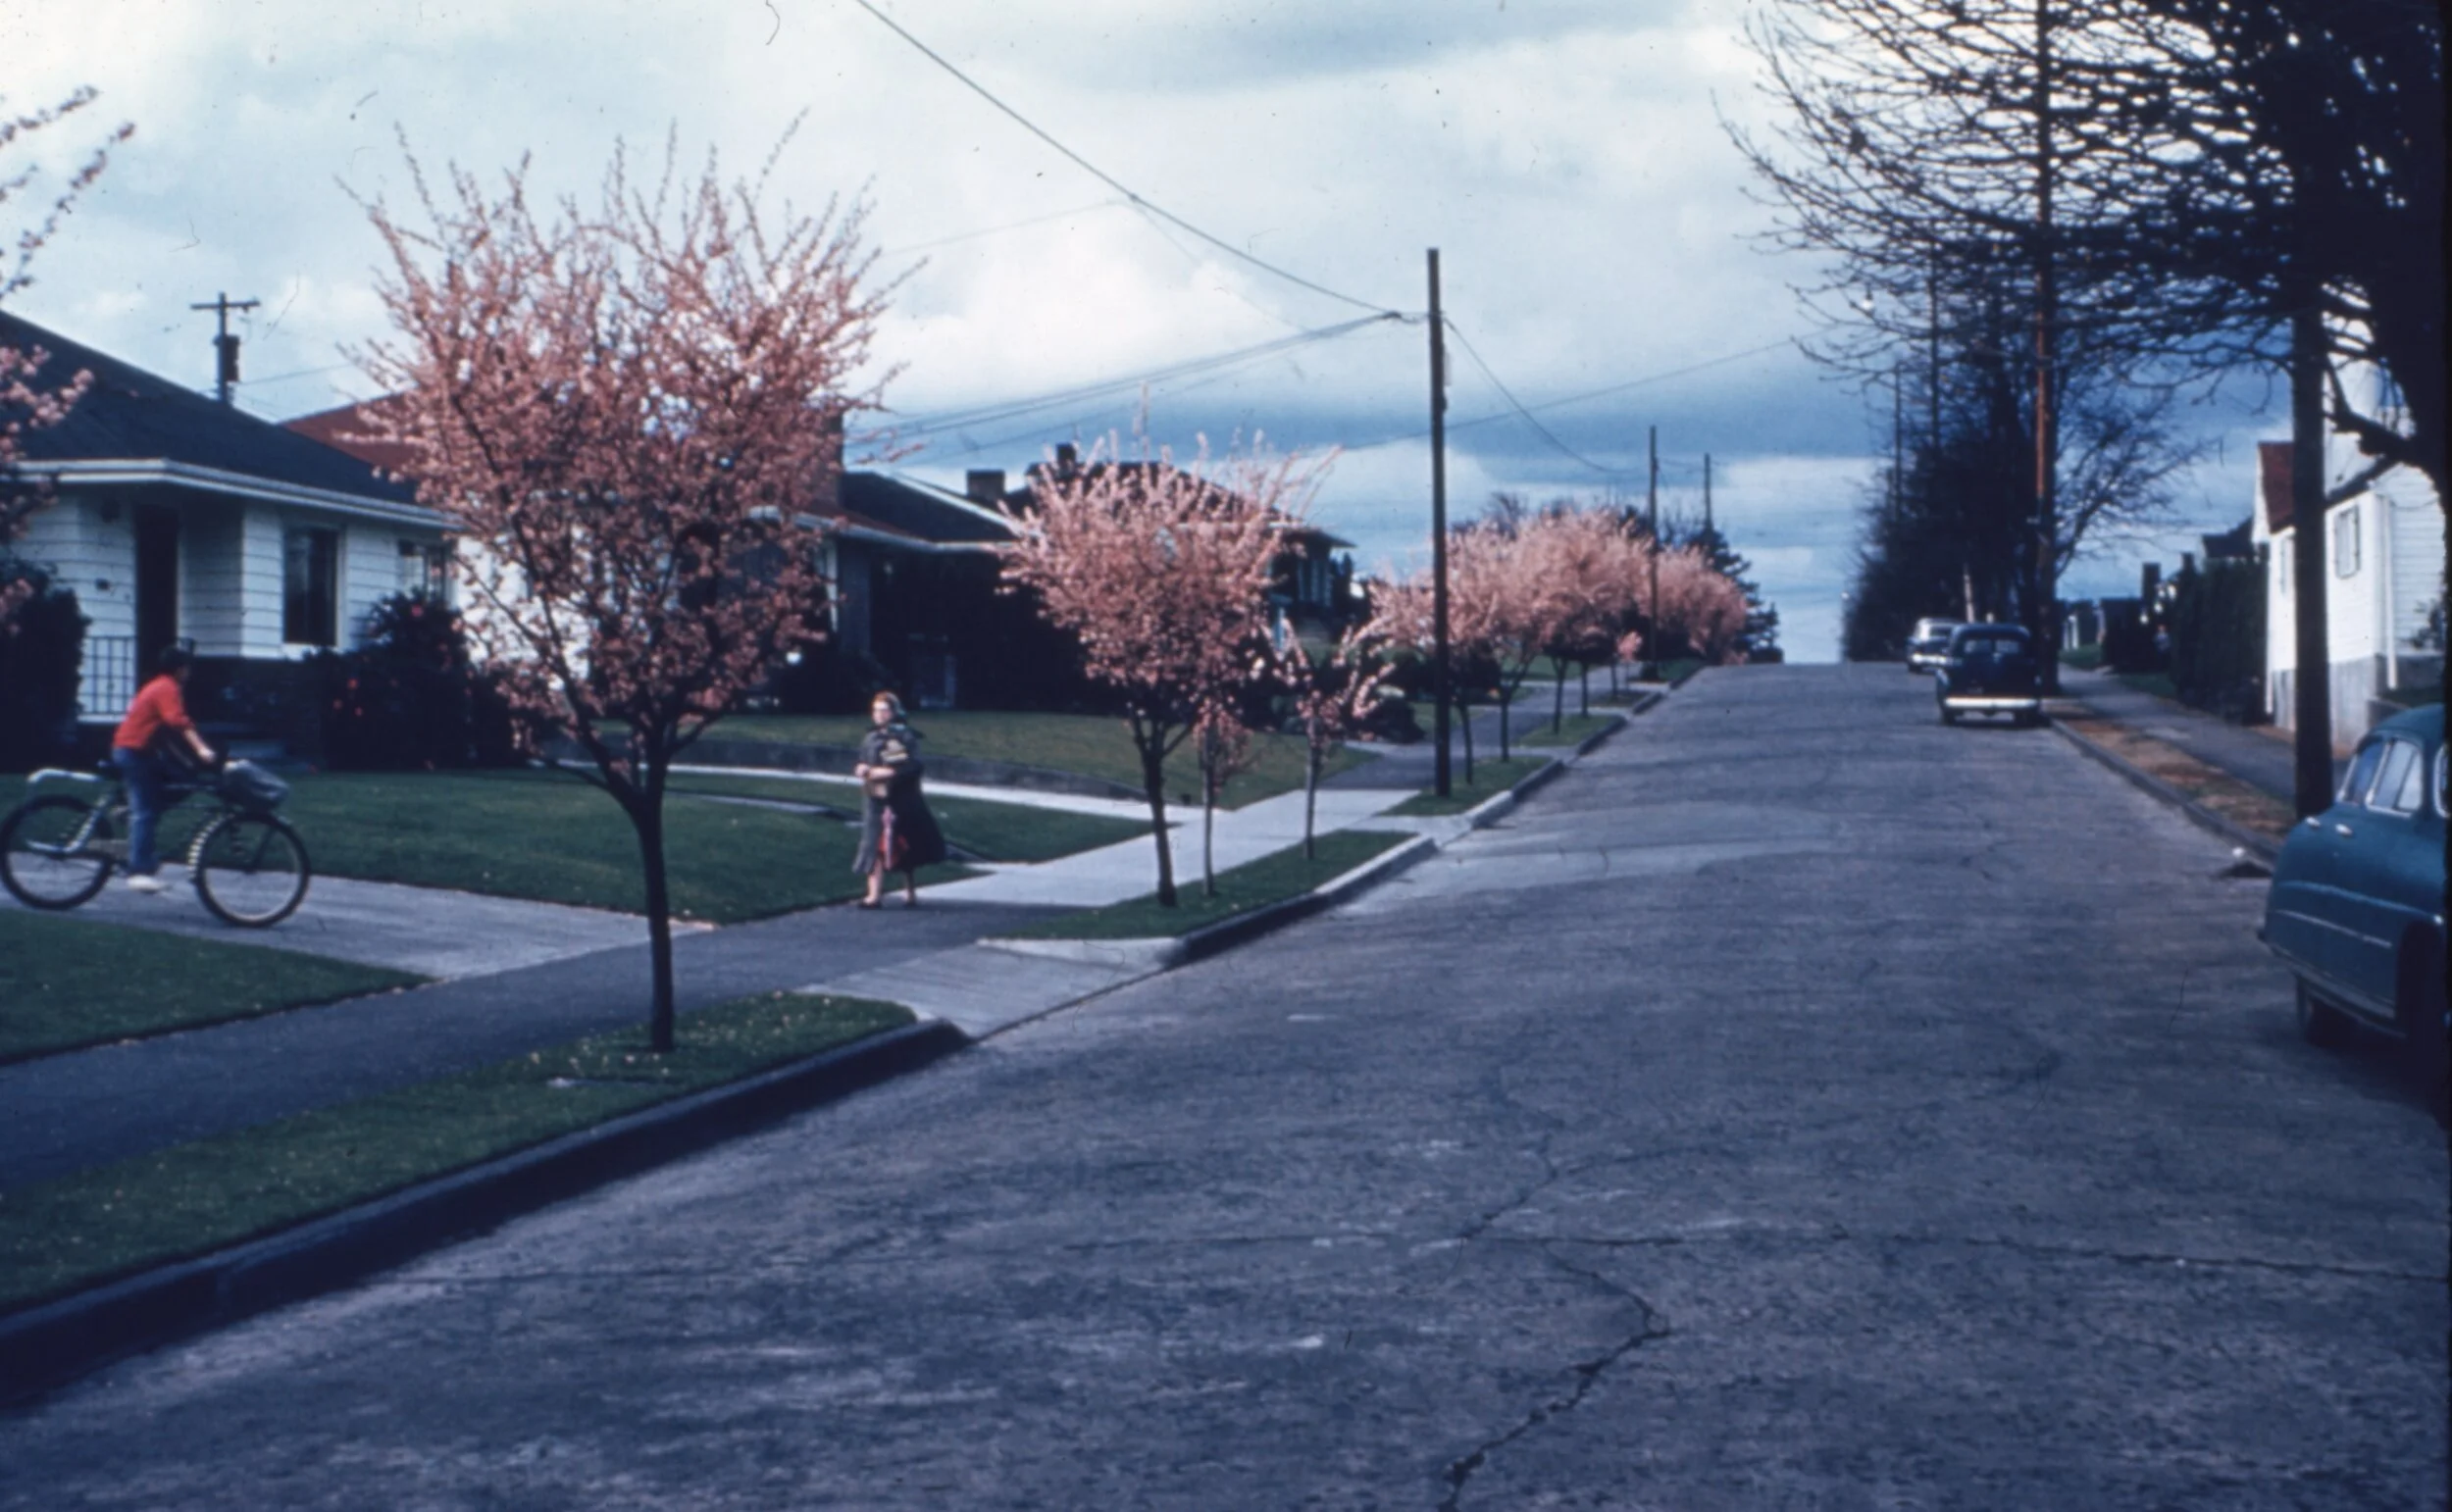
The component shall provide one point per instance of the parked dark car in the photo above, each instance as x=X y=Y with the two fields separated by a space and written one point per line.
x=1989 y=669
x=1928 y=642
x=2356 y=906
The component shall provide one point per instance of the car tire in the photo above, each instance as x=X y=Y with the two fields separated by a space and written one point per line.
x=2321 y=1024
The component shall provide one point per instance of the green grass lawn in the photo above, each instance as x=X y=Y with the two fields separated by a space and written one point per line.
x=2158 y=684
x=2084 y=658
x=991 y=832
x=1491 y=778
x=553 y=837
x=1093 y=745
x=1239 y=890
x=64 y=1235
x=543 y=835
x=66 y=983
x=1575 y=730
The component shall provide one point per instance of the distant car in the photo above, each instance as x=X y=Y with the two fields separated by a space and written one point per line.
x=1926 y=643
x=2356 y=906
x=1989 y=669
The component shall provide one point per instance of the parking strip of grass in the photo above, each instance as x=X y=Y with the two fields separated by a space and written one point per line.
x=2250 y=807
x=1491 y=778
x=1574 y=730
x=1273 y=878
x=82 y=1230
x=66 y=983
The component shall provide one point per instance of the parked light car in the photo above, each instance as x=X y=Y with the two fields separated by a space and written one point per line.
x=2356 y=906
x=1926 y=643
x=1989 y=669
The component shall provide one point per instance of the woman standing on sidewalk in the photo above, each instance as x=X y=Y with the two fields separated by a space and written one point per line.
x=897 y=833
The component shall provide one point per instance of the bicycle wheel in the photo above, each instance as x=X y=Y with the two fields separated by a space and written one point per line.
x=250 y=869
x=51 y=853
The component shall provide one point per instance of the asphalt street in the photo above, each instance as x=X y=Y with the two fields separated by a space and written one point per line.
x=1797 y=1104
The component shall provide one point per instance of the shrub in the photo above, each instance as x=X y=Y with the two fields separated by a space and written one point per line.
x=41 y=649
x=410 y=698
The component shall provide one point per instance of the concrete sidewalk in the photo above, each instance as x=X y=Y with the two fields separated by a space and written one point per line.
x=433 y=932
x=2261 y=756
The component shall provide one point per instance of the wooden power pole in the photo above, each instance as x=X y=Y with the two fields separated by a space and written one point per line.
x=1438 y=531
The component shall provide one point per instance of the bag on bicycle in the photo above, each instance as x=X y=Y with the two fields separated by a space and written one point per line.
x=251 y=788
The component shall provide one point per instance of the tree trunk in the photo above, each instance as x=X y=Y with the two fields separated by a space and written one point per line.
x=1507 y=711
x=1558 y=698
x=1467 y=710
x=2047 y=362
x=1154 y=788
x=2311 y=677
x=1583 y=689
x=1310 y=799
x=1208 y=833
x=646 y=808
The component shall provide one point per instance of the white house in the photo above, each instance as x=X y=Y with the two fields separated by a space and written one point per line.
x=177 y=517
x=2384 y=572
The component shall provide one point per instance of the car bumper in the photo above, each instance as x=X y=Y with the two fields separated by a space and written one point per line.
x=1993 y=703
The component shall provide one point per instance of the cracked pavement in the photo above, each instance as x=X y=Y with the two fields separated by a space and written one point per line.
x=1798 y=1104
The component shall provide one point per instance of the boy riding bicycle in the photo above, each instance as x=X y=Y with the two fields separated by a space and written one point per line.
x=136 y=750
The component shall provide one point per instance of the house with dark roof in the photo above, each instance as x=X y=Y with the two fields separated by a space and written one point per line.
x=175 y=517
x=912 y=600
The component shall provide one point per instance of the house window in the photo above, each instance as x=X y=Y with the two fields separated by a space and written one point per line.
x=310 y=599
x=2345 y=542
x=425 y=571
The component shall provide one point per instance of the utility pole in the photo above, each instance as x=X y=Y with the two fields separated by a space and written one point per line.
x=1438 y=531
x=1651 y=511
x=2040 y=615
x=224 y=346
x=2311 y=676
x=1708 y=528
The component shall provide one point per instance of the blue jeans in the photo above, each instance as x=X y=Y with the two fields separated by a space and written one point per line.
x=141 y=770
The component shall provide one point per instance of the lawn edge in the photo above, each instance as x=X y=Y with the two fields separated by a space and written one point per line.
x=2264 y=848
x=52 y=1343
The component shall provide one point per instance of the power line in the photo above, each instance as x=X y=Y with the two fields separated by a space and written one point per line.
x=1528 y=415
x=990 y=414
x=1138 y=202
x=1455 y=425
x=991 y=231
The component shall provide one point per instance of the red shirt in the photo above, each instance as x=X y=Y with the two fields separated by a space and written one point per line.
x=156 y=708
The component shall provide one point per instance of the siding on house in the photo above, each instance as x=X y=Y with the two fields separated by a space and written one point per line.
x=2374 y=611
x=212 y=601
x=70 y=540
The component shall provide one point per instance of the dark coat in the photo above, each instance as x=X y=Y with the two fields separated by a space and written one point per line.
x=896 y=745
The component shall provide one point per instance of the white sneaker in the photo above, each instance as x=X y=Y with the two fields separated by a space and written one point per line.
x=145 y=885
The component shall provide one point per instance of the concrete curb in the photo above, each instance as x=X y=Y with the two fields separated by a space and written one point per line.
x=2262 y=846
x=48 y=1345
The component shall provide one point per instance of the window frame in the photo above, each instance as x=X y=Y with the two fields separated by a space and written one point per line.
x=2384 y=802
x=298 y=602
x=2345 y=542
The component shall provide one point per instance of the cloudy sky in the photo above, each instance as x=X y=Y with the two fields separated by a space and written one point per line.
x=1565 y=156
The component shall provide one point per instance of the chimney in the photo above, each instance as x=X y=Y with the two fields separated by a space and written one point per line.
x=985 y=487
x=1067 y=457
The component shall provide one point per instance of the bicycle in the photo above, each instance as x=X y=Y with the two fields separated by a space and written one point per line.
x=249 y=867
